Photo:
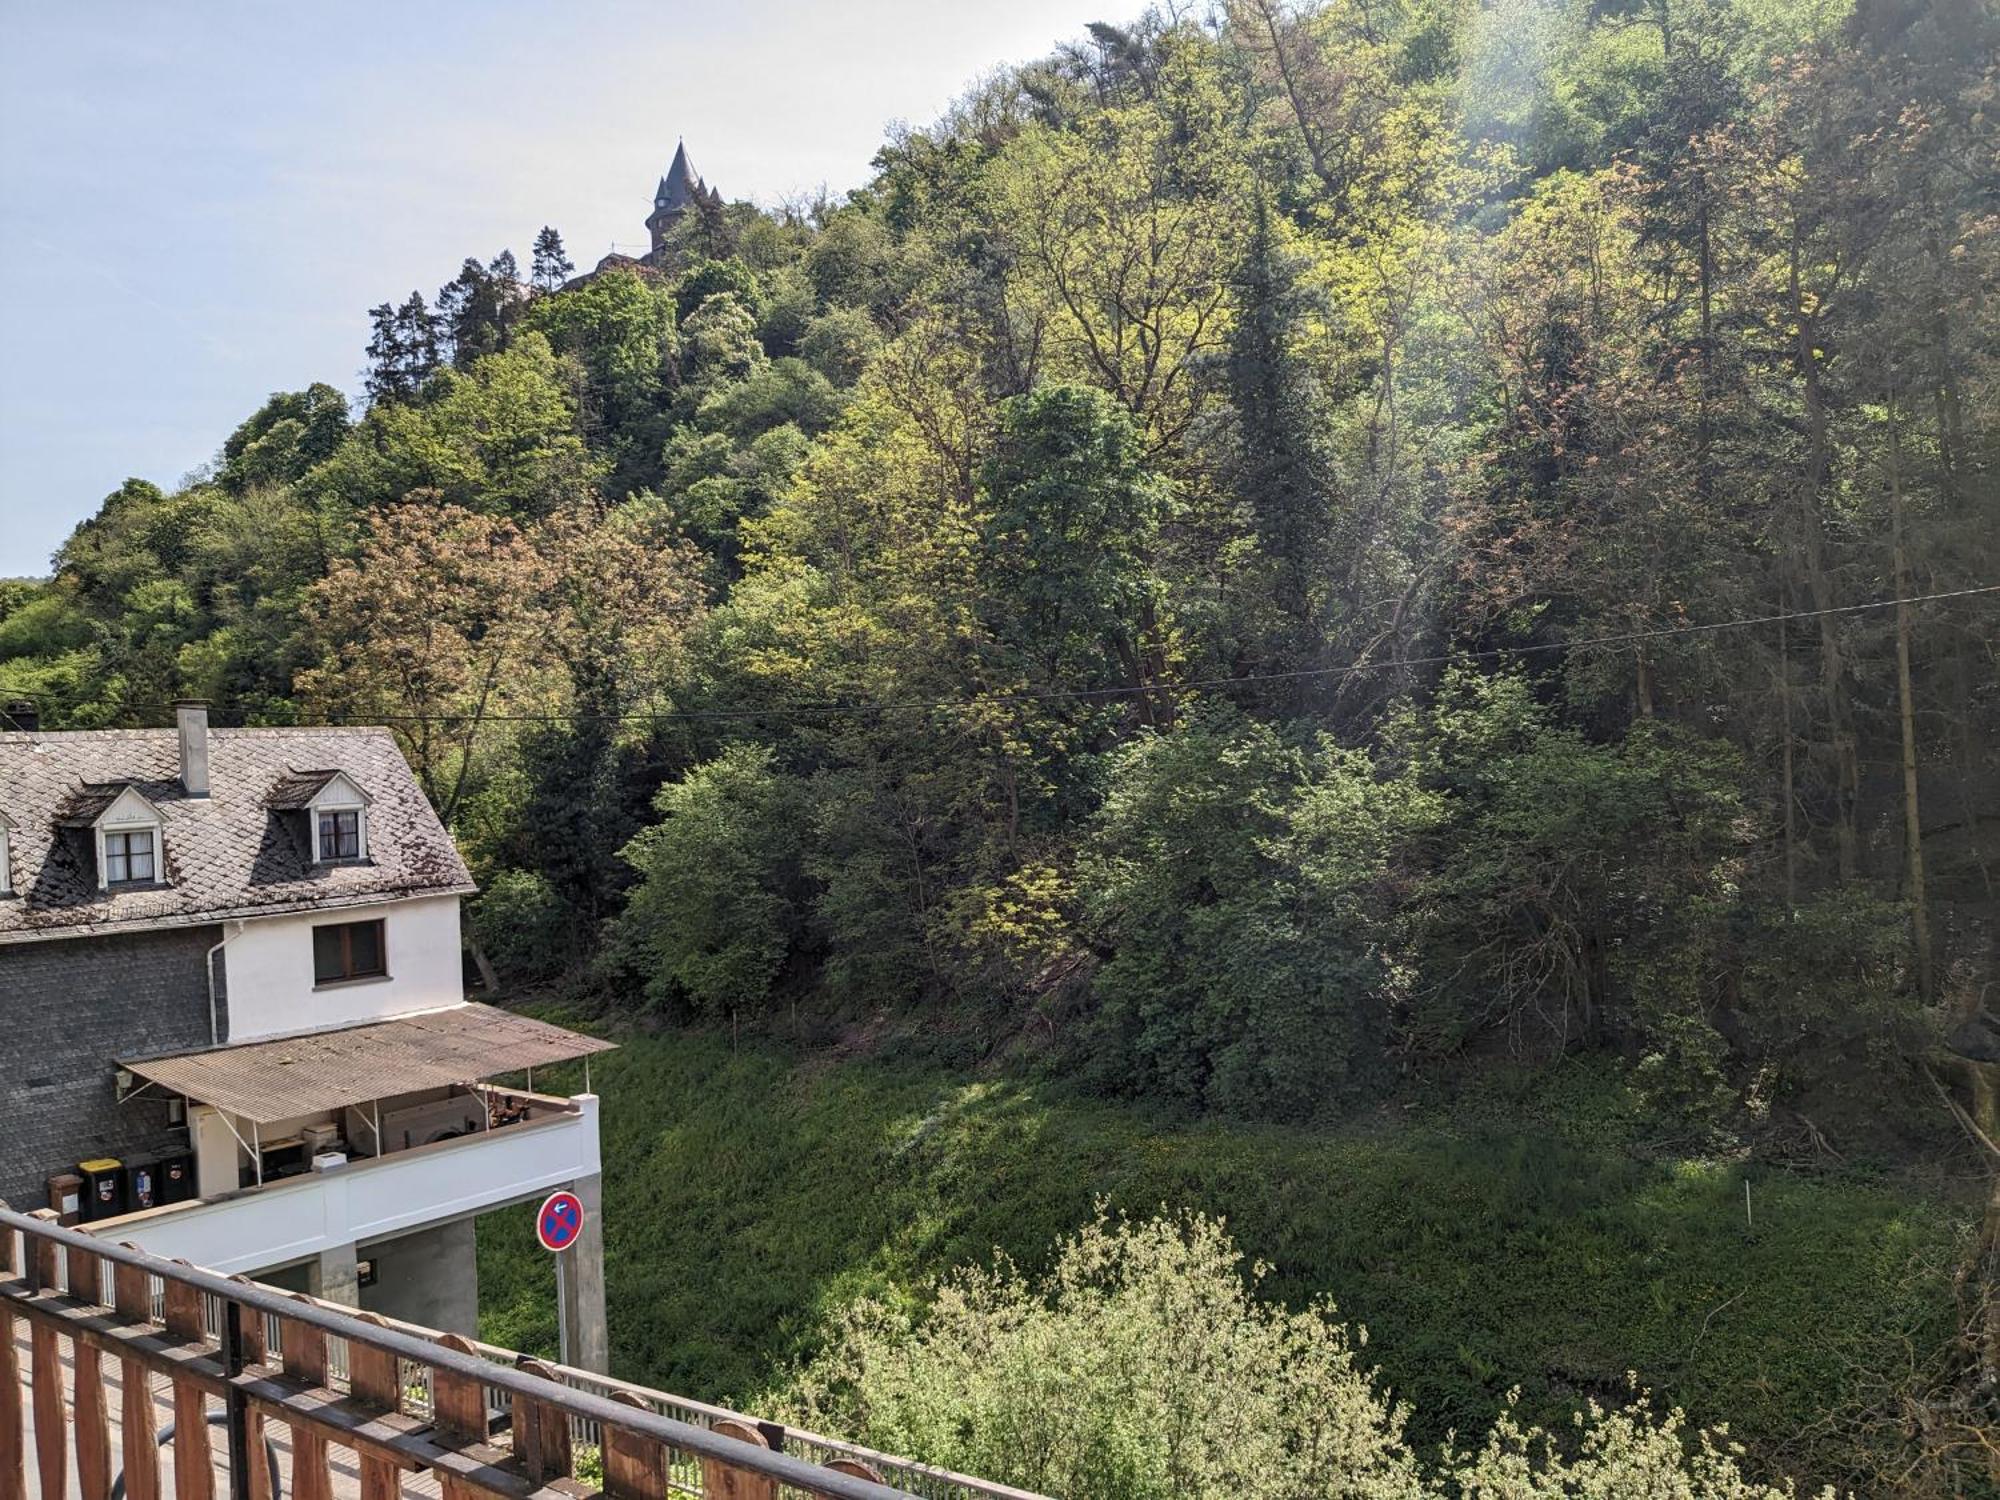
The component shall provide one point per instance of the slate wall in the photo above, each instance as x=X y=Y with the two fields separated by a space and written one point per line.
x=68 y=1008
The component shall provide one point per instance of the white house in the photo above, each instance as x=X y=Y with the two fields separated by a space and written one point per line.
x=233 y=1025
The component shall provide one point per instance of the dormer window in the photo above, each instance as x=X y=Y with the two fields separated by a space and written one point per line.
x=126 y=832
x=335 y=813
x=131 y=857
x=6 y=856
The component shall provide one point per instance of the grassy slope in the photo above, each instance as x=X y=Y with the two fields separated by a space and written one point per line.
x=1487 y=1243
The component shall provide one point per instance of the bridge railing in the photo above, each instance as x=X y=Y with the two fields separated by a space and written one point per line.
x=482 y=1420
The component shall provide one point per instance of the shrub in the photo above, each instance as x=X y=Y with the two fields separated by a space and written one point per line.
x=1144 y=1367
x=518 y=922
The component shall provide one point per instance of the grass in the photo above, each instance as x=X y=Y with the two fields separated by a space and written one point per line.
x=1504 y=1237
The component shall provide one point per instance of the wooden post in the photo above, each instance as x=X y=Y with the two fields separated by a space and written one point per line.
x=458 y=1405
x=45 y=1358
x=13 y=1437
x=132 y=1296
x=721 y=1481
x=541 y=1430
x=91 y=1419
x=372 y=1375
x=302 y=1347
x=635 y=1466
x=194 y=1453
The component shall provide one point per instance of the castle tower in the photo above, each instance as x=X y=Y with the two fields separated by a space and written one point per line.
x=680 y=190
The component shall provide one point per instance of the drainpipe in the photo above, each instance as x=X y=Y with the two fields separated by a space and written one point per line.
x=208 y=968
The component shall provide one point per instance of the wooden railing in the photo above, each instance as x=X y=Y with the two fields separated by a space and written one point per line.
x=409 y=1402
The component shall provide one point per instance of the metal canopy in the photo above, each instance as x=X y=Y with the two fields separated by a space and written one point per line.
x=278 y=1080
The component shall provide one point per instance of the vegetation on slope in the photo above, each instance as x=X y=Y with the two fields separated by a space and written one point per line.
x=1261 y=564
x=1510 y=1235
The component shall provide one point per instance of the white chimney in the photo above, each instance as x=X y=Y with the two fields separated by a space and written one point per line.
x=192 y=715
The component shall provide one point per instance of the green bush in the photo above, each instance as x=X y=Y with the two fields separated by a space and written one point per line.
x=1143 y=1366
x=715 y=910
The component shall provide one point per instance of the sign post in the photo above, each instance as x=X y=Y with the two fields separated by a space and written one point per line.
x=558 y=1225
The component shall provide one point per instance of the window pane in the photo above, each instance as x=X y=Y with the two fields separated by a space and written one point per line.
x=367 y=948
x=340 y=835
x=139 y=855
x=114 y=857
x=329 y=961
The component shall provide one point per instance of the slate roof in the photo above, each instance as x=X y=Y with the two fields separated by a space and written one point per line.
x=296 y=789
x=230 y=854
x=681 y=187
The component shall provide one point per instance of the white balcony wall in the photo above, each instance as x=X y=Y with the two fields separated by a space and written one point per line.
x=371 y=1199
x=269 y=964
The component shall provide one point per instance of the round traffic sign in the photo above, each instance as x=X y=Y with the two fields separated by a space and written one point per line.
x=559 y=1221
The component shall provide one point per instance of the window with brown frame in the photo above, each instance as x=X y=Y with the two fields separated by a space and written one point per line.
x=349 y=950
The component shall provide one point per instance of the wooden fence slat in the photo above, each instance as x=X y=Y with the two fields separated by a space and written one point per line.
x=13 y=1436
x=132 y=1298
x=183 y=1308
x=13 y=1439
x=42 y=1256
x=51 y=1446
x=93 y=1423
x=635 y=1466
x=302 y=1348
x=194 y=1452
x=86 y=1275
x=458 y=1402
x=374 y=1378
x=721 y=1481
x=541 y=1429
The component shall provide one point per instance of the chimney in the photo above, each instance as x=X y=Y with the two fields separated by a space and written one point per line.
x=21 y=715
x=192 y=715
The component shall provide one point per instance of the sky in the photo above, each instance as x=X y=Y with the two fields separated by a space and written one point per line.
x=199 y=201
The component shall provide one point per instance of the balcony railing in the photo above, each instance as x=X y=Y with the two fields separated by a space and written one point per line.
x=372 y=1197
x=401 y=1399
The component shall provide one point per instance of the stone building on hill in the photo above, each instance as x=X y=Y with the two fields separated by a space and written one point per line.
x=681 y=190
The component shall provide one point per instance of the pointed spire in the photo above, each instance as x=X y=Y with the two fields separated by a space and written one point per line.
x=681 y=186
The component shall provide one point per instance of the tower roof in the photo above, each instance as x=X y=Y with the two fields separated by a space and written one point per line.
x=681 y=186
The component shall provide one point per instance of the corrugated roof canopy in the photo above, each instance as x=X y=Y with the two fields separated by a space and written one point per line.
x=301 y=1075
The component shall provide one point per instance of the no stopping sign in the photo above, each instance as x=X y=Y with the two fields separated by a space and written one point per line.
x=559 y=1221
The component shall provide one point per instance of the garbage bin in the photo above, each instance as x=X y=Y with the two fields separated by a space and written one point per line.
x=176 y=1177
x=103 y=1188
x=142 y=1184
x=66 y=1197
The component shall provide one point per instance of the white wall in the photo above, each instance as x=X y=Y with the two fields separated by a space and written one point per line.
x=269 y=965
x=370 y=1199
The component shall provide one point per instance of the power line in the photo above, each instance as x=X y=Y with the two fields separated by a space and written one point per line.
x=1057 y=695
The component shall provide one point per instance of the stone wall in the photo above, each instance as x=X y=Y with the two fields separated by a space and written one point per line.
x=69 y=1007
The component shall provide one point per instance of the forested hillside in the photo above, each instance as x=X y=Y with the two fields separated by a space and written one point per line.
x=1263 y=561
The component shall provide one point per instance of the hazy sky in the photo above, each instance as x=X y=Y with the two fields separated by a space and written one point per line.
x=199 y=201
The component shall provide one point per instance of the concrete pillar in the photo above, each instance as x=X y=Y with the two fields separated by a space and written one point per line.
x=586 y=1340
x=335 y=1276
x=430 y=1278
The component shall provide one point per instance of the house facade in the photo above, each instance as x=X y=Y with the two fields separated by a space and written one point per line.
x=233 y=1025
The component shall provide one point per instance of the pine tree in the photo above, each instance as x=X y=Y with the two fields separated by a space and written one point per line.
x=385 y=356
x=552 y=265
x=417 y=336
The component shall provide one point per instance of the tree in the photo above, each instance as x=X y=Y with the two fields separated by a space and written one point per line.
x=552 y=265
x=434 y=628
x=718 y=904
